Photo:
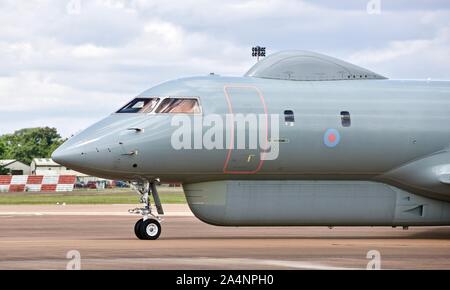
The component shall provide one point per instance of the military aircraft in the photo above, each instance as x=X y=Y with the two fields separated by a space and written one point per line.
x=302 y=139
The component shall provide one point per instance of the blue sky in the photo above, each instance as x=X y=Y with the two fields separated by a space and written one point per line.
x=68 y=63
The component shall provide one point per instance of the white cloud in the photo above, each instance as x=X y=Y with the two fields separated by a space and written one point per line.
x=417 y=58
x=392 y=52
x=91 y=51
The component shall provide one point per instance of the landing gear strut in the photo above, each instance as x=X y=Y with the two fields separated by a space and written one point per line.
x=149 y=227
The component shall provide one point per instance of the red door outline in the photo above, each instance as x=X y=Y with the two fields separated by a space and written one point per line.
x=231 y=145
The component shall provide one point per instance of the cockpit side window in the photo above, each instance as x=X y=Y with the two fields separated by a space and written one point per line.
x=179 y=105
x=140 y=105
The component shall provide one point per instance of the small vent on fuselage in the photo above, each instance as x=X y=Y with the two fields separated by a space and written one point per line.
x=417 y=211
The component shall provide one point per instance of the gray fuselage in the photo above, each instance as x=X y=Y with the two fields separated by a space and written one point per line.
x=393 y=123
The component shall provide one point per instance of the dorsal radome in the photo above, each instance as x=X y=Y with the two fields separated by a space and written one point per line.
x=308 y=66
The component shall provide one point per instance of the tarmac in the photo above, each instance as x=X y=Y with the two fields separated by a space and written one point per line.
x=45 y=237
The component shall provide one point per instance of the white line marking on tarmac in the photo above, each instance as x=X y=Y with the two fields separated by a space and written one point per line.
x=243 y=261
x=173 y=262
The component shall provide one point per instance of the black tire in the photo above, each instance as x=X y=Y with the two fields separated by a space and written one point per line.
x=137 y=229
x=150 y=229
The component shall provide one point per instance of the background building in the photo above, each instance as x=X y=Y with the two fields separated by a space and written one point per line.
x=46 y=166
x=15 y=167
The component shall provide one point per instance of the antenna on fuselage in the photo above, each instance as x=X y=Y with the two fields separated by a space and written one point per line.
x=258 y=51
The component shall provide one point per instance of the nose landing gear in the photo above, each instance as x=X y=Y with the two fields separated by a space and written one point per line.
x=149 y=227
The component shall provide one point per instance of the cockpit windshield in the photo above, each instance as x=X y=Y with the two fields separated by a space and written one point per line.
x=140 y=105
x=179 y=105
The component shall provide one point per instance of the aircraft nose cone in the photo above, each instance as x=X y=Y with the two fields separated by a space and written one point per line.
x=85 y=155
x=65 y=157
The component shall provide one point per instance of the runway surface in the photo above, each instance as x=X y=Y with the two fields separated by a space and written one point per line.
x=39 y=237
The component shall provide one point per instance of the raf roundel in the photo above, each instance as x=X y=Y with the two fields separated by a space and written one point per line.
x=331 y=138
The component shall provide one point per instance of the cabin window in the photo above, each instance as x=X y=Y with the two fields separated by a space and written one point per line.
x=345 y=119
x=140 y=105
x=289 y=117
x=179 y=105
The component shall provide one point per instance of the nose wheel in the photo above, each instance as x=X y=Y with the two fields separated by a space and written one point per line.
x=149 y=227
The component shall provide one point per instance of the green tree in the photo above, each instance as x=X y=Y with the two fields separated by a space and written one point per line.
x=2 y=149
x=3 y=170
x=26 y=144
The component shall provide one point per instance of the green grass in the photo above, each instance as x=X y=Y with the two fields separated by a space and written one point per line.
x=85 y=197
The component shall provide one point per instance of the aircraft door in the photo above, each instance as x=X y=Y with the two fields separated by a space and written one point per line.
x=246 y=129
